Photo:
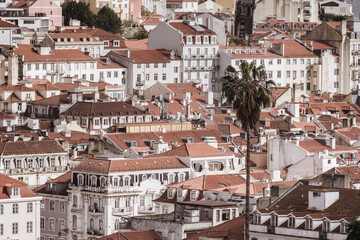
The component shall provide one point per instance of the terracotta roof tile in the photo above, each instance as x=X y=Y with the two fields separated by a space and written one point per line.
x=6 y=181
x=30 y=147
x=98 y=165
x=102 y=109
x=133 y=235
x=188 y=30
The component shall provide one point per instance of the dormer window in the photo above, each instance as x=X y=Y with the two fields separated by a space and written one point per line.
x=198 y=39
x=206 y=39
x=291 y=222
x=343 y=227
x=193 y=196
x=189 y=40
x=80 y=180
x=170 y=193
x=93 y=181
x=15 y=191
x=326 y=226
x=274 y=220
x=257 y=219
x=180 y=193
x=116 y=43
x=126 y=181
x=106 y=43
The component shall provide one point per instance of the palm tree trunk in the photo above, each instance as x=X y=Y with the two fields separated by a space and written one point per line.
x=247 y=203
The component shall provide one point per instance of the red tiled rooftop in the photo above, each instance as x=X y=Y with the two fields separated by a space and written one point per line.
x=188 y=30
x=133 y=235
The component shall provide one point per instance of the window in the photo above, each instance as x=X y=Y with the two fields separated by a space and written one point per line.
x=18 y=163
x=51 y=224
x=1 y=209
x=288 y=61
x=164 y=77
x=42 y=223
x=1 y=229
x=106 y=121
x=97 y=122
x=52 y=205
x=147 y=77
x=279 y=61
x=176 y=69
x=308 y=61
x=294 y=61
x=326 y=226
x=288 y=74
x=41 y=162
x=336 y=72
x=314 y=74
x=93 y=181
x=29 y=207
x=74 y=222
x=294 y=74
x=62 y=207
x=117 y=224
x=155 y=65
x=302 y=73
x=15 y=191
x=302 y=61
x=15 y=208
x=270 y=62
x=257 y=219
x=336 y=84
x=29 y=227
x=308 y=223
x=270 y=74
x=262 y=62
x=291 y=222
x=15 y=228
x=343 y=227
x=278 y=74
x=109 y=74
x=75 y=203
x=164 y=65
x=274 y=220
x=61 y=224
x=138 y=77
x=155 y=76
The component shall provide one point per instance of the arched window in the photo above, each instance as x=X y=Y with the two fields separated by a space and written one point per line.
x=92 y=223
x=80 y=179
x=126 y=181
x=171 y=178
x=153 y=176
x=101 y=224
x=144 y=177
x=116 y=182
x=102 y=182
x=93 y=181
x=117 y=224
x=181 y=177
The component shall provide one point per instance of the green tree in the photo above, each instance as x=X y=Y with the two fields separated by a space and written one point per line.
x=236 y=41
x=247 y=91
x=79 y=11
x=353 y=230
x=108 y=20
x=330 y=17
x=144 y=11
x=141 y=34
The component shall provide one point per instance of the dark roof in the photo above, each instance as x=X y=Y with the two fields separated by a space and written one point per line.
x=133 y=235
x=30 y=147
x=102 y=109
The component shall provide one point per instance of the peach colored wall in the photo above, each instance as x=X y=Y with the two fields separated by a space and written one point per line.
x=135 y=10
x=52 y=10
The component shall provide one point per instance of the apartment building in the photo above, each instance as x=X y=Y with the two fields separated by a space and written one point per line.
x=104 y=192
x=147 y=67
x=19 y=210
x=33 y=161
x=96 y=116
x=195 y=44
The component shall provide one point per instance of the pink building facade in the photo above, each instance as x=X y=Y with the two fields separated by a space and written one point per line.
x=51 y=8
x=135 y=10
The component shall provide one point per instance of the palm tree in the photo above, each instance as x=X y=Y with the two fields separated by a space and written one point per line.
x=248 y=92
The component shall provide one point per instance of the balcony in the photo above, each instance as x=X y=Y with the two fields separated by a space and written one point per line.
x=355 y=52
x=77 y=208
x=95 y=209
x=122 y=211
x=94 y=232
x=145 y=209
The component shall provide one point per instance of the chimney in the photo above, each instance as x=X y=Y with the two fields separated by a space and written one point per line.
x=209 y=98
x=321 y=199
x=127 y=53
x=332 y=143
x=343 y=27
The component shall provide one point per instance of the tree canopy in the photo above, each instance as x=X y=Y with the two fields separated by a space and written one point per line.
x=108 y=20
x=105 y=19
x=330 y=17
x=79 y=11
x=141 y=34
x=353 y=230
